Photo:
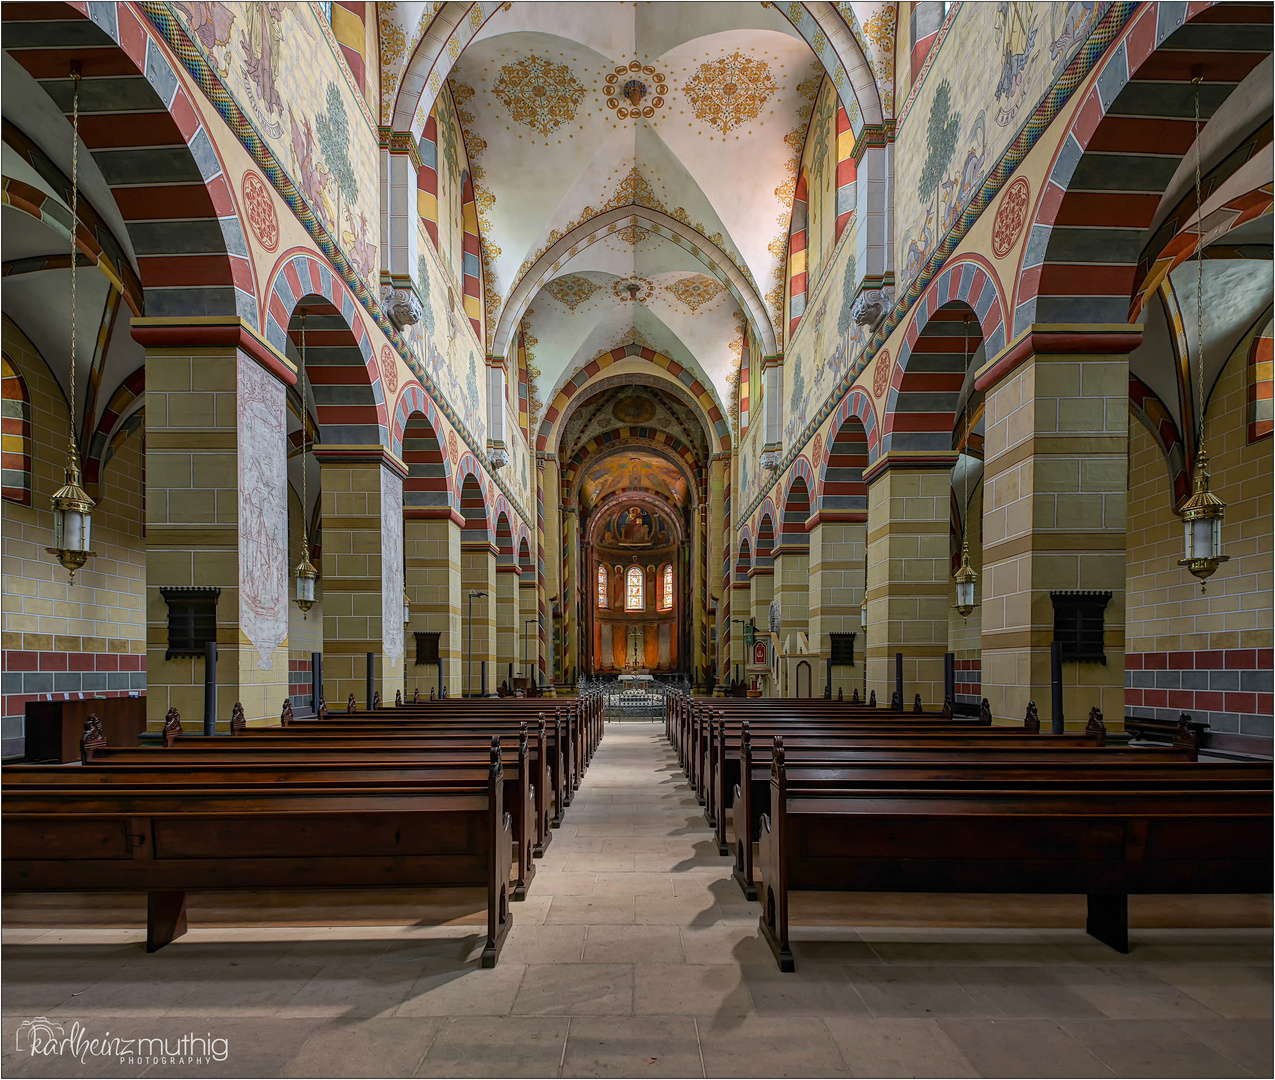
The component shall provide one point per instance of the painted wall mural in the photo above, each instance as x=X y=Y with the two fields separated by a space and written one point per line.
x=263 y=510
x=324 y=136
x=949 y=137
x=634 y=527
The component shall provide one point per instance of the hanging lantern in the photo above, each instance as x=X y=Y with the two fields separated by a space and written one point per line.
x=1202 y=513
x=965 y=579
x=305 y=573
x=72 y=520
x=72 y=507
x=1202 y=517
x=407 y=608
x=863 y=614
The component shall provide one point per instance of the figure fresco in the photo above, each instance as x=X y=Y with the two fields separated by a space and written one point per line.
x=260 y=45
x=1016 y=30
x=634 y=527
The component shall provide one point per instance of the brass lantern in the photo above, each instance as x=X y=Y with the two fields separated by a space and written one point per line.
x=1202 y=517
x=1202 y=513
x=407 y=608
x=965 y=578
x=305 y=575
x=72 y=507
x=305 y=572
x=72 y=519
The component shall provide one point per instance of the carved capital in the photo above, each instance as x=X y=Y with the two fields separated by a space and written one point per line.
x=402 y=305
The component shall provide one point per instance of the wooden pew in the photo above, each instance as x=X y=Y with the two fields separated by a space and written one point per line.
x=1105 y=838
x=395 y=737
x=751 y=800
x=444 y=831
x=243 y=763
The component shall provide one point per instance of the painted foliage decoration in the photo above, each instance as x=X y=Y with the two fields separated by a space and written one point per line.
x=730 y=92
x=977 y=110
x=572 y=290
x=695 y=290
x=538 y=93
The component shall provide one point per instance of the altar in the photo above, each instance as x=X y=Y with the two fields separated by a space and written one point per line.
x=637 y=677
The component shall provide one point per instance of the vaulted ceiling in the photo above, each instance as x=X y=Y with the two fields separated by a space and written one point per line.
x=634 y=167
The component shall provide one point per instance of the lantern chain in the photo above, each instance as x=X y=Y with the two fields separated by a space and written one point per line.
x=1199 y=262
x=75 y=227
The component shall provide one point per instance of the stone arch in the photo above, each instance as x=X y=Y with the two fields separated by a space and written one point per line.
x=197 y=262
x=1107 y=177
x=504 y=540
x=764 y=549
x=525 y=562
x=797 y=256
x=1151 y=412
x=669 y=376
x=743 y=558
x=796 y=508
x=427 y=490
x=473 y=504
x=597 y=229
x=653 y=502
x=344 y=377
x=851 y=450
x=926 y=379
x=573 y=472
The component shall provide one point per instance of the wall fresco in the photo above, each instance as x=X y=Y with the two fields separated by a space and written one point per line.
x=321 y=133
x=964 y=116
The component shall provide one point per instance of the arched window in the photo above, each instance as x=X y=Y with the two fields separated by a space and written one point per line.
x=633 y=598
x=602 y=587
x=666 y=588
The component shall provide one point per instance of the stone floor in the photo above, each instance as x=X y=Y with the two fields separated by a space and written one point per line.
x=637 y=955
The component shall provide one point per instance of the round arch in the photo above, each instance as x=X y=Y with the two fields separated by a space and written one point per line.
x=647 y=499
x=573 y=474
x=416 y=437
x=850 y=451
x=665 y=374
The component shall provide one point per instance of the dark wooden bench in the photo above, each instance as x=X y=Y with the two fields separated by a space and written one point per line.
x=445 y=831
x=193 y=770
x=1105 y=838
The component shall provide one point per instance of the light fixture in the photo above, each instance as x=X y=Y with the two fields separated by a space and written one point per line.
x=407 y=608
x=72 y=507
x=1202 y=513
x=965 y=577
x=305 y=572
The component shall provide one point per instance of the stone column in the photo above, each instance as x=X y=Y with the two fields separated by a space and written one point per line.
x=837 y=552
x=506 y=622
x=571 y=606
x=478 y=637
x=740 y=608
x=362 y=571
x=528 y=609
x=792 y=590
x=1055 y=490
x=909 y=567
x=217 y=512
x=694 y=648
x=719 y=559
x=432 y=547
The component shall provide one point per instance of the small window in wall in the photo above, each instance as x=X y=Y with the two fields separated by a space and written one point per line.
x=603 y=598
x=192 y=620
x=1078 y=625
x=666 y=588
x=426 y=647
x=633 y=598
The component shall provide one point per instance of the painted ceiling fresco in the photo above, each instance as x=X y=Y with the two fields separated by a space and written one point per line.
x=633 y=469
x=632 y=407
x=635 y=527
x=695 y=112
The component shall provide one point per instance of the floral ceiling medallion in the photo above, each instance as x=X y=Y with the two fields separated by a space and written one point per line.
x=571 y=290
x=634 y=90
x=730 y=92
x=696 y=290
x=638 y=289
x=538 y=93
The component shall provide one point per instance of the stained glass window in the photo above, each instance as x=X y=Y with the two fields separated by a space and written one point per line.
x=633 y=599
x=602 y=586
x=667 y=588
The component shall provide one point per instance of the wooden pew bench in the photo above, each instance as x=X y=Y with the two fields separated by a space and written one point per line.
x=446 y=832
x=1104 y=838
x=178 y=770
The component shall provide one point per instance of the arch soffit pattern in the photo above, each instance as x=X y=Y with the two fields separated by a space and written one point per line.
x=1137 y=42
x=665 y=374
x=766 y=517
x=970 y=281
x=648 y=499
x=598 y=228
x=299 y=274
x=147 y=50
x=415 y=402
x=455 y=25
x=855 y=405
